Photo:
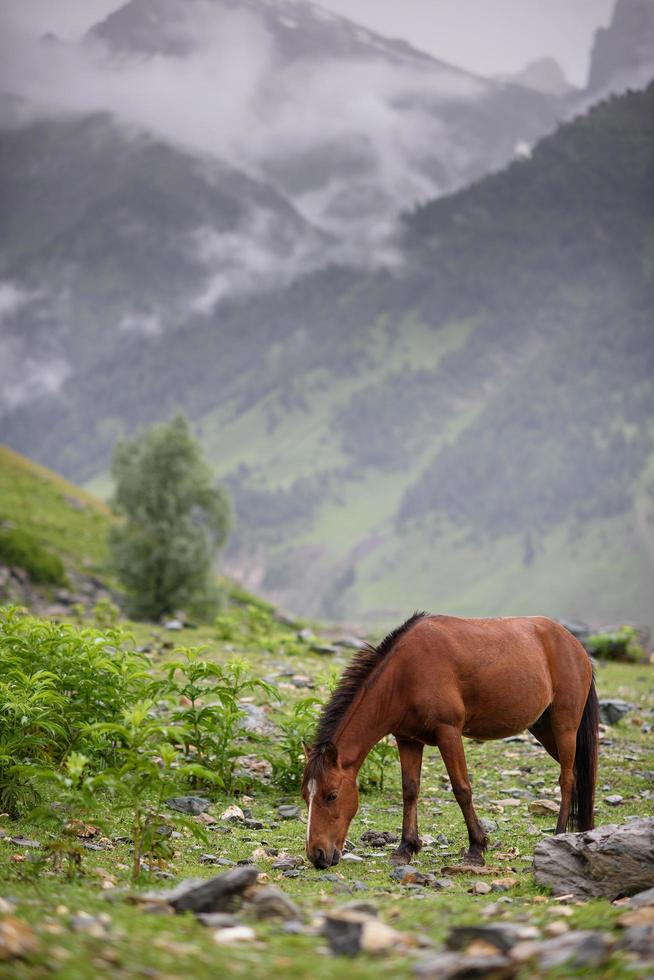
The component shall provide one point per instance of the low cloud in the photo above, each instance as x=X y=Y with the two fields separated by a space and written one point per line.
x=219 y=86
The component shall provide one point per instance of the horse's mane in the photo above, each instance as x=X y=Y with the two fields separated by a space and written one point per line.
x=354 y=676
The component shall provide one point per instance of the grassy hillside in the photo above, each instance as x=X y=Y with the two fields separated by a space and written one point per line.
x=59 y=515
x=471 y=432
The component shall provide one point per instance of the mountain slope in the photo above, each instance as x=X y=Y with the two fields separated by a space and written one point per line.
x=472 y=431
x=352 y=125
x=623 y=53
x=111 y=232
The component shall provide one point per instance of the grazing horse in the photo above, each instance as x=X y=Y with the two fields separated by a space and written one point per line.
x=433 y=680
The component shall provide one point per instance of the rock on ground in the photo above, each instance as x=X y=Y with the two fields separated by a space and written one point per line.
x=612 y=710
x=214 y=895
x=192 y=805
x=270 y=901
x=349 y=932
x=610 y=861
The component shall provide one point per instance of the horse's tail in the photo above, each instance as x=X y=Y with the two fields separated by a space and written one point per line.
x=582 y=810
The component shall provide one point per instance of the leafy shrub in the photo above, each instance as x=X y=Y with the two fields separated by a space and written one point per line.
x=19 y=548
x=56 y=682
x=297 y=728
x=208 y=722
x=149 y=768
x=621 y=644
x=375 y=767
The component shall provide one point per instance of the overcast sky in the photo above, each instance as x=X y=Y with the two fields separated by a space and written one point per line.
x=485 y=36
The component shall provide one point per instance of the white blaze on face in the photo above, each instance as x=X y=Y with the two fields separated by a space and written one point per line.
x=311 y=789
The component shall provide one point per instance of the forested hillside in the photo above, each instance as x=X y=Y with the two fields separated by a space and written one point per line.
x=429 y=435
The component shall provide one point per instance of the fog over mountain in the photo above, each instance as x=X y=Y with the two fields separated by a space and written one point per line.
x=352 y=126
x=284 y=224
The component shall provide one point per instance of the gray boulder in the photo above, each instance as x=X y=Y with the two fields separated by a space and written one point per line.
x=612 y=710
x=214 y=895
x=609 y=861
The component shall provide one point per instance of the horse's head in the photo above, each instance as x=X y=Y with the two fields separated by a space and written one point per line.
x=332 y=796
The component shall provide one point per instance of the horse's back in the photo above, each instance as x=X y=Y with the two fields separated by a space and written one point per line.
x=496 y=676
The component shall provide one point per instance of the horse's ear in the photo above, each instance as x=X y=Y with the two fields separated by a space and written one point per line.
x=306 y=748
x=331 y=754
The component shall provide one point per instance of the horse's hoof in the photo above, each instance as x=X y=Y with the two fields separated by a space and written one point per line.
x=401 y=857
x=474 y=858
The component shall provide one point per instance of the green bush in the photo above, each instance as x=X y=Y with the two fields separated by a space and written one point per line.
x=20 y=548
x=56 y=682
x=207 y=715
x=622 y=644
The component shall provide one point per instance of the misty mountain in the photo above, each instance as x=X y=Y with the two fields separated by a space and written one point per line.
x=110 y=232
x=623 y=53
x=426 y=434
x=543 y=75
x=354 y=127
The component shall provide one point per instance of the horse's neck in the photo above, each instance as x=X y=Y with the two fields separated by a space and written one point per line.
x=369 y=719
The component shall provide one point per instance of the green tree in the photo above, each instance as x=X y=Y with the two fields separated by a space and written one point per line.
x=174 y=520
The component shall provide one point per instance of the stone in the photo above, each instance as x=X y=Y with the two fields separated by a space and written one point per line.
x=25 y=842
x=349 y=932
x=94 y=925
x=192 y=805
x=326 y=649
x=253 y=824
x=211 y=859
x=641 y=899
x=359 y=905
x=489 y=825
x=377 y=937
x=407 y=874
x=352 y=858
x=643 y=916
x=503 y=936
x=457 y=966
x=254 y=719
x=543 y=807
x=480 y=888
x=287 y=862
x=174 y=624
x=614 y=800
x=606 y=862
x=233 y=814
x=17 y=938
x=379 y=838
x=639 y=940
x=580 y=950
x=351 y=642
x=214 y=895
x=217 y=920
x=271 y=902
x=288 y=811
x=234 y=934
x=612 y=710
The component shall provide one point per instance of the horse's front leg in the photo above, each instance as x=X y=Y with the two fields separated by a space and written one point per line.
x=450 y=745
x=411 y=762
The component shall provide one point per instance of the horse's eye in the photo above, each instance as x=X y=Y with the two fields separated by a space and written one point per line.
x=331 y=797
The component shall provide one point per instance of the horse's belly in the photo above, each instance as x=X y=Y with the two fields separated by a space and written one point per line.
x=505 y=711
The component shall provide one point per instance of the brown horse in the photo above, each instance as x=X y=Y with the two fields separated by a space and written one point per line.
x=433 y=680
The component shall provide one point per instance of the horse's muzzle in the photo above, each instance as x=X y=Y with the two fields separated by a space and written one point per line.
x=321 y=860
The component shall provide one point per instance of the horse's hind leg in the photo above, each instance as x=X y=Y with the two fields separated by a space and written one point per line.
x=542 y=731
x=450 y=745
x=561 y=744
x=411 y=762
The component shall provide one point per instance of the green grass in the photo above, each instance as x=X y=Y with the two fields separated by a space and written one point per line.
x=139 y=942
x=60 y=516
